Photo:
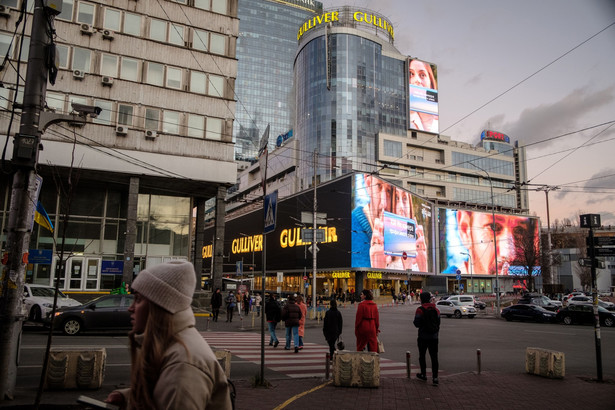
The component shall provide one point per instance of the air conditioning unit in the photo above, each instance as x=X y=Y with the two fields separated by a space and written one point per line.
x=121 y=130
x=5 y=11
x=108 y=34
x=78 y=74
x=150 y=134
x=105 y=80
x=86 y=29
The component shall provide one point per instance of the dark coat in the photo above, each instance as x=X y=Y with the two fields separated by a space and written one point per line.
x=216 y=300
x=273 y=311
x=419 y=321
x=333 y=323
x=291 y=314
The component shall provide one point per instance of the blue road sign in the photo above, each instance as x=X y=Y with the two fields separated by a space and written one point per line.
x=270 y=207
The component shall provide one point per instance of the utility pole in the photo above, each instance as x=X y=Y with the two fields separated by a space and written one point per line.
x=23 y=196
x=314 y=243
x=548 y=188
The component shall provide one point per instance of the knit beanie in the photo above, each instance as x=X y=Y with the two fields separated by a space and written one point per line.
x=425 y=297
x=169 y=285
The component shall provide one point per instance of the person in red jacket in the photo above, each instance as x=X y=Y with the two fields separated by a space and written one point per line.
x=367 y=323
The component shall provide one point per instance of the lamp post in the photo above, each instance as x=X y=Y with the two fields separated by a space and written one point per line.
x=471 y=268
x=495 y=241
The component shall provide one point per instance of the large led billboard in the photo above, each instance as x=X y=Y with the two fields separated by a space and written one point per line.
x=391 y=228
x=467 y=247
x=423 y=88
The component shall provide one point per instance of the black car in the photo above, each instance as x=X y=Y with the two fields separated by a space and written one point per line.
x=528 y=312
x=479 y=304
x=109 y=312
x=584 y=314
x=540 y=300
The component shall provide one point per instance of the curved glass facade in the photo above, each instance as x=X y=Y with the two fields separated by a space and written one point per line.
x=366 y=96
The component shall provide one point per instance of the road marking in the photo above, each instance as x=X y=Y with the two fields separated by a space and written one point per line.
x=551 y=333
x=298 y=396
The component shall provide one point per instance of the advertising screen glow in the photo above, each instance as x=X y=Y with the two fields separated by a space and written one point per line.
x=423 y=87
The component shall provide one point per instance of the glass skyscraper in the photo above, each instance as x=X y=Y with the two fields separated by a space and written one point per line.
x=266 y=50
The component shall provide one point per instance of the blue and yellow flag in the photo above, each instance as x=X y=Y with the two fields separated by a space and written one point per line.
x=41 y=217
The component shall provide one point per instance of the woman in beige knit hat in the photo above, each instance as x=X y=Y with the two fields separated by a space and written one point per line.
x=173 y=367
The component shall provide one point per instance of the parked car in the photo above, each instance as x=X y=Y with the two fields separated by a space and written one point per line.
x=455 y=308
x=479 y=304
x=38 y=301
x=584 y=314
x=572 y=294
x=579 y=300
x=109 y=312
x=528 y=312
x=540 y=300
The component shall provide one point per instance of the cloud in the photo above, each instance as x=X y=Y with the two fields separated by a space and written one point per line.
x=602 y=179
x=565 y=115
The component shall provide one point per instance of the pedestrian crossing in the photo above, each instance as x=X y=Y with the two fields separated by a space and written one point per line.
x=309 y=362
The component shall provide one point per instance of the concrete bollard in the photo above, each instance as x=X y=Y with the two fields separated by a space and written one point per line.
x=207 y=328
x=478 y=357
x=408 y=370
x=241 y=321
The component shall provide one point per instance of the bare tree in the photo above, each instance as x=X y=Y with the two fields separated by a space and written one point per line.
x=527 y=252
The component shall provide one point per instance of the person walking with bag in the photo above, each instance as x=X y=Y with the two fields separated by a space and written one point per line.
x=291 y=315
x=172 y=366
x=273 y=312
x=427 y=320
x=216 y=303
x=231 y=301
x=303 y=308
x=367 y=323
x=332 y=327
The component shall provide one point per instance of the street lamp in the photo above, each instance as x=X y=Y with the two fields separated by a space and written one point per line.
x=471 y=275
x=495 y=241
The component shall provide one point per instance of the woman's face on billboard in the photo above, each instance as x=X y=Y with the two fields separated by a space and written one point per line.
x=419 y=74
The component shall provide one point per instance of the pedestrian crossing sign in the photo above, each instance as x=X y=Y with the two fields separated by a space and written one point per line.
x=270 y=211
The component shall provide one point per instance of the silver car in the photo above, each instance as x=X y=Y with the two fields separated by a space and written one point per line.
x=38 y=301
x=455 y=308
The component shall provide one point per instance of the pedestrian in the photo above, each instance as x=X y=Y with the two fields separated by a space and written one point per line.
x=231 y=301
x=273 y=313
x=303 y=308
x=291 y=315
x=216 y=303
x=427 y=320
x=172 y=366
x=332 y=327
x=257 y=303
x=246 y=303
x=367 y=323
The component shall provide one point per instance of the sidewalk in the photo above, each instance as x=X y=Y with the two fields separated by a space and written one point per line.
x=489 y=390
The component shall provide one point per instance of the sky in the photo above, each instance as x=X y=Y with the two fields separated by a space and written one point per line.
x=541 y=72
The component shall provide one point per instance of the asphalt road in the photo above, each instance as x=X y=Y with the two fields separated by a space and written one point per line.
x=502 y=345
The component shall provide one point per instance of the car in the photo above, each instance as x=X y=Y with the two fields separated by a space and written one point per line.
x=580 y=300
x=572 y=294
x=479 y=304
x=606 y=305
x=455 y=308
x=584 y=314
x=38 y=301
x=540 y=300
x=108 y=312
x=528 y=312
x=468 y=300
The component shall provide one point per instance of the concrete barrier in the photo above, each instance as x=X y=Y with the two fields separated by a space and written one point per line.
x=356 y=369
x=544 y=362
x=224 y=358
x=75 y=369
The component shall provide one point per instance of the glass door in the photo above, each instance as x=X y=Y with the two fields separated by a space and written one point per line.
x=92 y=274
x=75 y=273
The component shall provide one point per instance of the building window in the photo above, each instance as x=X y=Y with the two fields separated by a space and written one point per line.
x=105 y=115
x=85 y=13
x=124 y=114
x=200 y=40
x=198 y=82
x=55 y=101
x=5 y=44
x=112 y=19
x=62 y=53
x=155 y=74
x=392 y=148
x=176 y=34
x=130 y=69
x=132 y=24
x=81 y=59
x=170 y=122
x=196 y=126
x=219 y=6
x=25 y=49
x=152 y=118
x=77 y=100
x=216 y=86
x=67 y=10
x=202 y=4
x=174 y=77
x=108 y=65
x=217 y=44
x=158 y=30
x=214 y=129
x=4 y=98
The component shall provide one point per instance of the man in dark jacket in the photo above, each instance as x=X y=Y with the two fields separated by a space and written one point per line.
x=273 y=311
x=291 y=314
x=427 y=319
x=332 y=326
x=216 y=302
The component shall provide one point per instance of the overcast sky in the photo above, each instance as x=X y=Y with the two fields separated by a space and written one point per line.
x=484 y=48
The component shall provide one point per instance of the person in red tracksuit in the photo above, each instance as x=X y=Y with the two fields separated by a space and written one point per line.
x=367 y=323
